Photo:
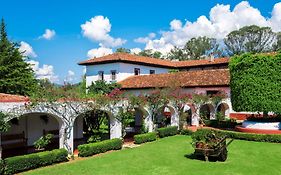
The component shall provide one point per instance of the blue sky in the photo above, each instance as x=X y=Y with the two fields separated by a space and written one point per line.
x=27 y=21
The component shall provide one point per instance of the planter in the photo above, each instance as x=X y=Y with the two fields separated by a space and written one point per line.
x=262 y=125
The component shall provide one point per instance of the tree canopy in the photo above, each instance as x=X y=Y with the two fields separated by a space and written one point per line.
x=17 y=77
x=252 y=39
x=150 y=53
x=256 y=82
x=195 y=49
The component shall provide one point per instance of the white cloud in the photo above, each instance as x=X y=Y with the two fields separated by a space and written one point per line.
x=99 y=52
x=44 y=72
x=49 y=34
x=222 y=20
x=27 y=50
x=145 y=39
x=135 y=50
x=70 y=76
x=97 y=29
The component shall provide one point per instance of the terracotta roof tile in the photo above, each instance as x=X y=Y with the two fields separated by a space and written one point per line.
x=12 y=98
x=125 y=57
x=199 y=78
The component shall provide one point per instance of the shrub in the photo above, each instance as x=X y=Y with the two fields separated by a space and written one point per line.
x=1 y=167
x=43 y=141
x=186 y=132
x=228 y=123
x=99 y=147
x=26 y=162
x=142 y=138
x=167 y=131
x=248 y=136
x=206 y=138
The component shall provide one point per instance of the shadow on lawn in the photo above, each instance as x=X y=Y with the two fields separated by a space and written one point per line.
x=201 y=158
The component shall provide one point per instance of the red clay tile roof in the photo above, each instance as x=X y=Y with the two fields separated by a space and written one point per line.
x=199 y=78
x=12 y=98
x=130 y=58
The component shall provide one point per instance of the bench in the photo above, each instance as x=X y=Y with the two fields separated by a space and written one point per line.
x=13 y=141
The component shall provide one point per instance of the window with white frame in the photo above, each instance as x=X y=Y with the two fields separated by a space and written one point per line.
x=113 y=75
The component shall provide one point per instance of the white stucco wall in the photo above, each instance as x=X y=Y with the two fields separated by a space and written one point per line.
x=123 y=71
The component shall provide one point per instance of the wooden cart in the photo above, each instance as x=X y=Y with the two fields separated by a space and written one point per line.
x=219 y=151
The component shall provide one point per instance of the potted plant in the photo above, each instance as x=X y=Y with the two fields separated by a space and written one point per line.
x=42 y=142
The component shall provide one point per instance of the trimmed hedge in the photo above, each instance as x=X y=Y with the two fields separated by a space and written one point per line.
x=99 y=147
x=167 y=131
x=142 y=138
x=1 y=167
x=18 y=164
x=186 y=132
x=220 y=124
x=250 y=137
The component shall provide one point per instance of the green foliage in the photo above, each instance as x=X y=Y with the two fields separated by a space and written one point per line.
x=2 y=166
x=127 y=118
x=31 y=161
x=252 y=38
x=195 y=49
x=186 y=132
x=206 y=138
x=167 y=131
x=101 y=87
x=99 y=147
x=4 y=126
x=43 y=141
x=17 y=77
x=221 y=124
x=256 y=82
x=275 y=138
x=122 y=50
x=148 y=137
x=220 y=116
x=150 y=53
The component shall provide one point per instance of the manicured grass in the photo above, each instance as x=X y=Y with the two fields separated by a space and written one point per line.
x=167 y=156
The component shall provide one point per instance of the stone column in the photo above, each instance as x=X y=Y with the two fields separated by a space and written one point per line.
x=115 y=128
x=175 y=119
x=148 y=123
x=195 y=117
x=61 y=135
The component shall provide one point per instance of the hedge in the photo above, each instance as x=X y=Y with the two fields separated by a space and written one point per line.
x=18 y=164
x=276 y=138
x=142 y=138
x=167 y=131
x=1 y=167
x=186 y=132
x=99 y=147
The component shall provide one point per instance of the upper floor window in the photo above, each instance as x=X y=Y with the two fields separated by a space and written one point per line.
x=152 y=71
x=113 y=75
x=101 y=75
x=137 y=71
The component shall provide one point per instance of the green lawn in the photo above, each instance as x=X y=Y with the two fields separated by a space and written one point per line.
x=167 y=156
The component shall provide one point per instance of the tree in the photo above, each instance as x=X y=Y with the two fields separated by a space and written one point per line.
x=278 y=45
x=256 y=82
x=17 y=77
x=195 y=49
x=101 y=87
x=150 y=53
x=122 y=50
x=177 y=54
x=252 y=38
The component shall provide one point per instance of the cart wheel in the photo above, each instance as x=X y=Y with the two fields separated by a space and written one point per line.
x=223 y=155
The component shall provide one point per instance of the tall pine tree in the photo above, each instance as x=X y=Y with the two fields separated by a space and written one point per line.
x=16 y=76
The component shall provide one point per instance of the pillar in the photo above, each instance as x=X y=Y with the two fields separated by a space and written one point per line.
x=195 y=117
x=148 y=123
x=115 y=128
x=0 y=147
x=175 y=119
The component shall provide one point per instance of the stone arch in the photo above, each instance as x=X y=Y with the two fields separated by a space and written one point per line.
x=207 y=111
x=34 y=124
x=167 y=115
x=224 y=108
x=189 y=113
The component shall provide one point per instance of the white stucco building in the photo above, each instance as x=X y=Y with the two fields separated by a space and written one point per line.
x=136 y=74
